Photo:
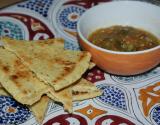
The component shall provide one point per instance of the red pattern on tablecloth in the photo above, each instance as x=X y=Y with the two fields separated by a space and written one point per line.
x=94 y=75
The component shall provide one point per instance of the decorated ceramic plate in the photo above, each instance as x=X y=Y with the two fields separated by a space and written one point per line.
x=132 y=100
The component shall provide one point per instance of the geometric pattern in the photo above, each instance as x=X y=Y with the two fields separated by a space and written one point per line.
x=12 y=112
x=137 y=78
x=40 y=6
x=113 y=120
x=91 y=112
x=69 y=16
x=94 y=75
x=107 y=109
x=113 y=96
x=12 y=30
x=156 y=114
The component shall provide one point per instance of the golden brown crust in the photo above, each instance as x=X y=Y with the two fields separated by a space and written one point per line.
x=61 y=69
x=18 y=80
x=84 y=89
x=39 y=109
x=64 y=96
x=50 y=62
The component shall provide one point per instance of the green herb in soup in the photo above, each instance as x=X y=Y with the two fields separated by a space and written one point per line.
x=123 y=38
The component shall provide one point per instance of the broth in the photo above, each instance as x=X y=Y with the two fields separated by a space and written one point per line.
x=123 y=38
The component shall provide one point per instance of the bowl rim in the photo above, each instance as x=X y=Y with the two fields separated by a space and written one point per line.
x=111 y=51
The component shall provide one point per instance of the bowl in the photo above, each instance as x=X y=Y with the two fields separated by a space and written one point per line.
x=126 y=13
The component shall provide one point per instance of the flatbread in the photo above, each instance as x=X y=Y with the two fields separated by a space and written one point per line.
x=91 y=65
x=84 y=85
x=64 y=96
x=81 y=90
x=41 y=46
x=18 y=80
x=79 y=96
x=3 y=92
x=56 y=67
x=39 y=109
x=85 y=90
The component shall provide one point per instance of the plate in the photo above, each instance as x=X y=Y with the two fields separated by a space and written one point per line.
x=132 y=100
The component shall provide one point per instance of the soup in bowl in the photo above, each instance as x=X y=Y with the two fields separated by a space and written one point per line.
x=122 y=36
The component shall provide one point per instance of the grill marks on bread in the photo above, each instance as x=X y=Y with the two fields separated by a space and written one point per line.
x=18 y=80
x=50 y=62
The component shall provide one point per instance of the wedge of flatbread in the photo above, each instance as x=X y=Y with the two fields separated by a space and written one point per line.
x=85 y=90
x=64 y=96
x=3 y=91
x=18 y=80
x=39 y=109
x=41 y=46
x=80 y=90
x=57 y=67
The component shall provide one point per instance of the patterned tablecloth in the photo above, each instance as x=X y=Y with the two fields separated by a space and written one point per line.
x=132 y=100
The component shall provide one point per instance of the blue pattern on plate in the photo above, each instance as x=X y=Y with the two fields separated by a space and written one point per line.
x=156 y=115
x=69 y=16
x=113 y=96
x=10 y=29
x=136 y=78
x=12 y=112
x=71 y=46
x=40 y=6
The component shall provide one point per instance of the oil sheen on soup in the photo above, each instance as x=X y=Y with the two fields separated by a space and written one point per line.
x=123 y=38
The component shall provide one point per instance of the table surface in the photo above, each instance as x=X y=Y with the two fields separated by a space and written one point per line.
x=6 y=3
x=132 y=100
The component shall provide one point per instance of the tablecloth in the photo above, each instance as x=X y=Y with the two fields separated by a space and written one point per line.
x=126 y=100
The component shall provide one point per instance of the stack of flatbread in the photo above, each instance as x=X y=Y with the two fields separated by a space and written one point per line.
x=35 y=72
